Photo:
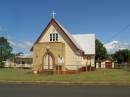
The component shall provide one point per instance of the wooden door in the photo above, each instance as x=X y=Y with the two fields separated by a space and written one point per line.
x=108 y=65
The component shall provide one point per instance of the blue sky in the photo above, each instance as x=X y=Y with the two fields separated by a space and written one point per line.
x=23 y=20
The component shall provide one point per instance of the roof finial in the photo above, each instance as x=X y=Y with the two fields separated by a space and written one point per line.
x=53 y=14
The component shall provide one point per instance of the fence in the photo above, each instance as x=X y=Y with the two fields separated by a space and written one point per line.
x=122 y=66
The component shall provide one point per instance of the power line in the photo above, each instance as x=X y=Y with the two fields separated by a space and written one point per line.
x=116 y=34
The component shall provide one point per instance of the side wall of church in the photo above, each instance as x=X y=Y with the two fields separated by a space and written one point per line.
x=89 y=60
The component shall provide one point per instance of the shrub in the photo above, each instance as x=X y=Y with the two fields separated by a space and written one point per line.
x=2 y=64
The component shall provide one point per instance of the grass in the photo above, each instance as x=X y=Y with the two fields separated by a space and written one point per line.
x=25 y=75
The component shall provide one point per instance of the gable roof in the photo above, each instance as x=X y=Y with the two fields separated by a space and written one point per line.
x=65 y=32
x=86 y=42
x=70 y=36
x=75 y=39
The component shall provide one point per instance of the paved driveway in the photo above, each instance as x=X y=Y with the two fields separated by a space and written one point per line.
x=37 y=90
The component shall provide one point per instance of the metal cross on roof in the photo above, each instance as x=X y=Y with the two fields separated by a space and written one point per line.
x=53 y=14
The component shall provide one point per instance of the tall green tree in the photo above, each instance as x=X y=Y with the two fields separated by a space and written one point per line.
x=101 y=52
x=5 y=50
x=122 y=56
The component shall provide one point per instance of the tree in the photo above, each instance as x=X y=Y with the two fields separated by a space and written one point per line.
x=122 y=56
x=5 y=50
x=101 y=52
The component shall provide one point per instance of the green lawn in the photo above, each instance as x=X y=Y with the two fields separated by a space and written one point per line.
x=10 y=74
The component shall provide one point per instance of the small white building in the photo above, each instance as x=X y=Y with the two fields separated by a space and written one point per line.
x=21 y=61
x=106 y=63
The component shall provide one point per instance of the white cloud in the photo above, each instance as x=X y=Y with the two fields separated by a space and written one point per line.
x=21 y=44
x=24 y=44
x=11 y=43
x=114 y=46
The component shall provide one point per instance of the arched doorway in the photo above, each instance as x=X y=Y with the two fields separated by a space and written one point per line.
x=48 y=62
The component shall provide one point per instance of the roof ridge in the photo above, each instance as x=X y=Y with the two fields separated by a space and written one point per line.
x=70 y=35
x=84 y=34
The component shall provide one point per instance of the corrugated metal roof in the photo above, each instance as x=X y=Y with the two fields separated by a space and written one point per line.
x=85 y=42
x=70 y=36
x=24 y=56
